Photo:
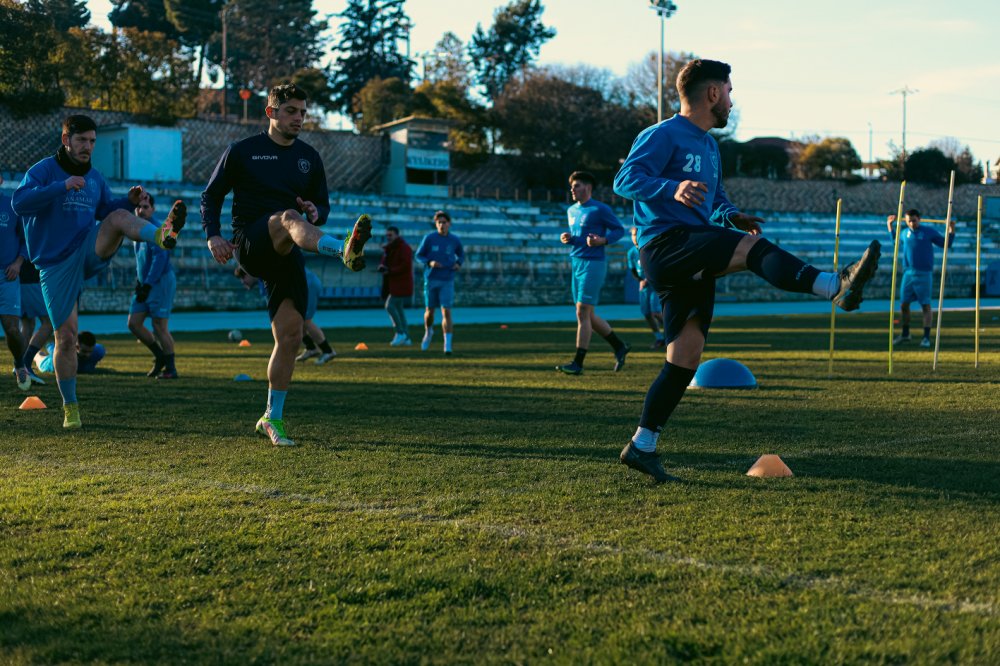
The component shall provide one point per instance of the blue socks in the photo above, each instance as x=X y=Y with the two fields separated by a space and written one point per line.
x=148 y=233
x=67 y=388
x=275 y=404
x=329 y=246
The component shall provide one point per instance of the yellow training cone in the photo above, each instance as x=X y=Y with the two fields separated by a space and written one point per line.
x=361 y=347
x=244 y=343
x=33 y=402
x=768 y=466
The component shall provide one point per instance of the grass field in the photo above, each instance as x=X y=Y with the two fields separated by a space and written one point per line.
x=471 y=509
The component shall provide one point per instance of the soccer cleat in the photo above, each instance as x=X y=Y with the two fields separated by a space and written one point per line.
x=167 y=374
x=353 y=254
x=854 y=277
x=325 y=357
x=658 y=344
x=620 y=355
x=395 y=340
x=158 y=366
x=166 y=235
x=22 y=378
x=405 y=341
x=308 y=354
x=571 y=368
x=645 y=462
x=35 y=379
x=274 y=429
x=71 y=420
x=425 y=344
x=925 y=343
x=900 y=339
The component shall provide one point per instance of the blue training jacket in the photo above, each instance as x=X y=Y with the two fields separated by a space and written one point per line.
x=592 y=217
x=446 y=250
x=661 y=157
x=11 y=235
x=918 y=246
x=152 y=262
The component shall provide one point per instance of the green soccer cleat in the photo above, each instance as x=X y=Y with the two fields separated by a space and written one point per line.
x=166 y=235
x=354 y=245
x=274 y=429
x=71 y=420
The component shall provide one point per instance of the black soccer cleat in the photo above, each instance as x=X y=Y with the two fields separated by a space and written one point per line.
x=620 y=355
x=645 y=462
x=854 y=277
x=571 y=368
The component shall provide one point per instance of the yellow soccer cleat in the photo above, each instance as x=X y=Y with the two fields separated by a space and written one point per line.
x=274 y=429
x=71 y=421
x=353 y=254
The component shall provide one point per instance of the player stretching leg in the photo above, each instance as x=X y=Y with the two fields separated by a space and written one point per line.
x=58 y=200
x=672 y=175
x=279 y=198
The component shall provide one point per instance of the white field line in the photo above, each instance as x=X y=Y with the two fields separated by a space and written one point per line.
x=540 y=536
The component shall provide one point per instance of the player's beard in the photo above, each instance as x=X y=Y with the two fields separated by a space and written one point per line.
x=721 y=114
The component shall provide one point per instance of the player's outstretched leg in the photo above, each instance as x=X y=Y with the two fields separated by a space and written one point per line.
x=354 y=244
x=854 y=277
x=166 y=235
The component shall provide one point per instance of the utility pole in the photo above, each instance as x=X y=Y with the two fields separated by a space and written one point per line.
x=871 y=167
x=664 y=9
x=225 y=67
x=904 y=91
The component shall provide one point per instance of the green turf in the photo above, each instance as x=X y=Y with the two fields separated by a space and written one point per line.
x=471 y=509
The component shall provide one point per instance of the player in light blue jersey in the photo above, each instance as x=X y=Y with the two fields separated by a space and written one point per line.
x=442 y=255
x=73 y=228
x=689 y=233
x=918 y=270
x=316 y=344
x=649 y=300
x=155 y=287
x=592 y=226
x=12 y=255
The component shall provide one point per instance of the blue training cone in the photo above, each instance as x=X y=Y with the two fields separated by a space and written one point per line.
x=242 y=378
x=723 y=373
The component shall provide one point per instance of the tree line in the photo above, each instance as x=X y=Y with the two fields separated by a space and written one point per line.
x=164 y=59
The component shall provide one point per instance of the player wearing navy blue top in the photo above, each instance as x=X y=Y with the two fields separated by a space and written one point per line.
x=672 y=173
x=442 y=255
x=918 y=269
x=279 y=199
x=12 y=254
x=592 y=226
x=155 y=286
x=59 y=201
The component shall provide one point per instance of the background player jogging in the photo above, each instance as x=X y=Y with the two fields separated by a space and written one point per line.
x=279 y=198
x=672 y=174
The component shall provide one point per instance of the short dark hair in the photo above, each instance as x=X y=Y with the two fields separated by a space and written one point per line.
x=583 y=177
x=284 y=92
x=86 y=337
x=393 y=229
x=697 y=74
x=152 y=201
x=913 y=212
x=441 y=213
x=77 y=124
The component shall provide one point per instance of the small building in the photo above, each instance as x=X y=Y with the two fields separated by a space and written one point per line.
x=418 y=161
x=139 y=153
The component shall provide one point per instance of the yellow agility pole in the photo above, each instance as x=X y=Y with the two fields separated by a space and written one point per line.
x=833 y=307
x=979 y=242
x=895 y=265
x=944 y=269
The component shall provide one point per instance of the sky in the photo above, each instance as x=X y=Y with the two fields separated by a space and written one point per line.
x=799 y=68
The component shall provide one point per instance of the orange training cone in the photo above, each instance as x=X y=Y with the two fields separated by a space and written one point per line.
x=503 y=326
x=361 y=347
x=32 y=402
x=768 y=466
x=244 y=343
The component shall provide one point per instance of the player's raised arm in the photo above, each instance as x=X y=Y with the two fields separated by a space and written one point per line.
x=36 y=191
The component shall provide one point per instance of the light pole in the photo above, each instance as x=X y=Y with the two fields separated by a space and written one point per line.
x=225 y=68
x=904 y=91
x=664 y=9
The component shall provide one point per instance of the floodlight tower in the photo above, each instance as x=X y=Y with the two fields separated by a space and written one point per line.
x=664 y=9
x=904 y=91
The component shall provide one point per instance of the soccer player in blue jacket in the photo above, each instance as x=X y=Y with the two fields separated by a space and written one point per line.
x=592 y=225
x=918 y=270
x=689 y=233
x=279 y=199
x=442 y=255
x=12 y=254
x=59 y=201
x=155 y=287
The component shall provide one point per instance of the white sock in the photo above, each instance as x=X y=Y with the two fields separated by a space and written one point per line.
x=426 y=342
x=447 y=342
x=645 y=439
x=329 y=246
x=826 y=285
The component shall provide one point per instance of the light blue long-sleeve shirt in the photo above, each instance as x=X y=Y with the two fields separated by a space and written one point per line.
x=445 y=250
x=662 y=157
x=152 y=262
x=592 y=217
x=918 y=246
x=57 y=220
x=11 y=234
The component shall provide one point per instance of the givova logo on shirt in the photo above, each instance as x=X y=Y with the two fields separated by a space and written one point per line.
x=264 y=157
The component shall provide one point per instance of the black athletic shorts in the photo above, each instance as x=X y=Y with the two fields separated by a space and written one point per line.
x=283 y=276
x=673 y=259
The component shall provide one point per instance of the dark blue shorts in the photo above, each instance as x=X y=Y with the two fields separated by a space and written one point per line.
x=672 y=261
x=284 y=276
